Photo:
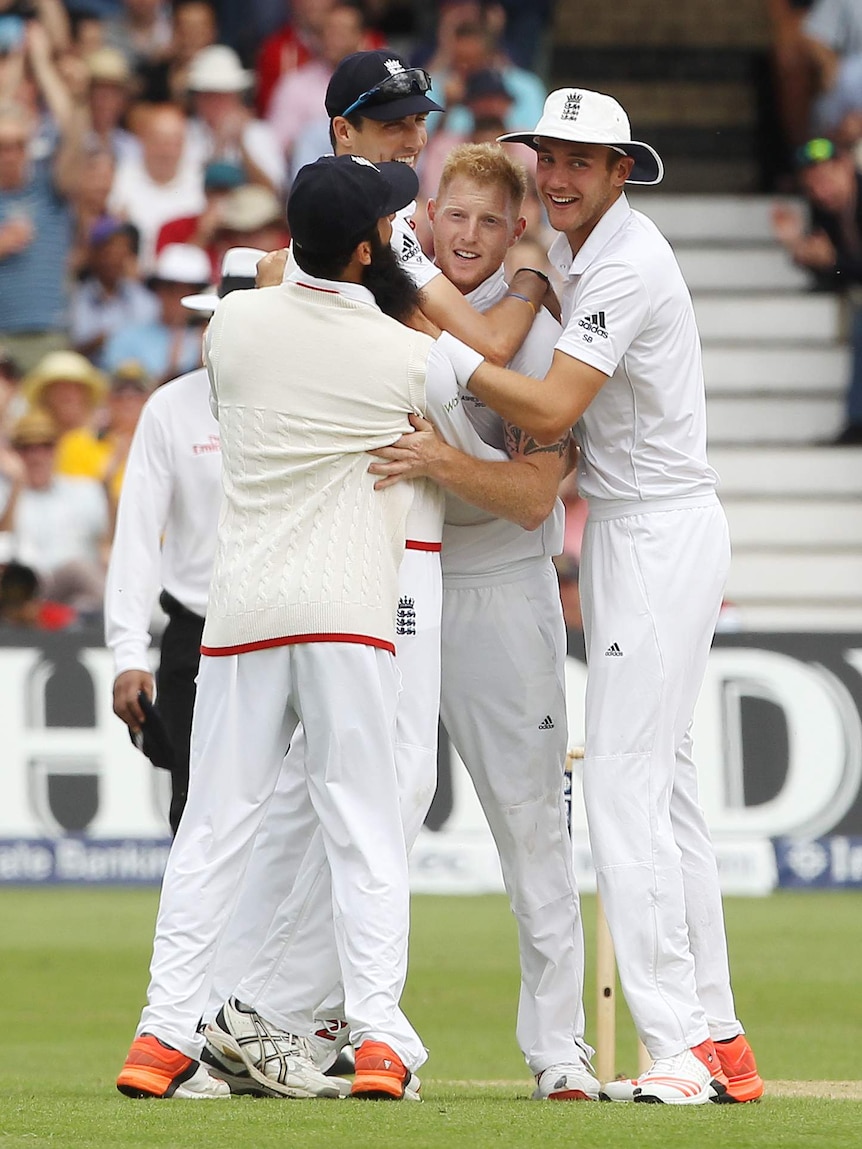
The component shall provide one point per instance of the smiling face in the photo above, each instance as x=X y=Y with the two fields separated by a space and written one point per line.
x=381 y=141
x=578 y=183
x=474 y=225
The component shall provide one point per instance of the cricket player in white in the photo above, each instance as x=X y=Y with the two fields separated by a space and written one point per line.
x=627 y=371
x=300 y=626
x=291 y=984
x=503 y=693
x=387 y=123
x=503 y=627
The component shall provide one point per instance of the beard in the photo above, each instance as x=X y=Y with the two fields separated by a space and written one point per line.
x=394 y=291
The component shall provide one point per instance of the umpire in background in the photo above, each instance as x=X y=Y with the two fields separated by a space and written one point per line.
x=166 y=537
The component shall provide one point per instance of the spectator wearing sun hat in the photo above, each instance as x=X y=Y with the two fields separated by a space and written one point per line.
x=67 y=386
x=131 y=385
x=109 y=298
x=57 y=524
x=71 y=391
x=108 y=93
x=251 y=216
x=220 y=179
x=223 y=126
x=168 y=345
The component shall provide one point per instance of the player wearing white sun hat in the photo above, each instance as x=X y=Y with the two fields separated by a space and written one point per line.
x=627 y=375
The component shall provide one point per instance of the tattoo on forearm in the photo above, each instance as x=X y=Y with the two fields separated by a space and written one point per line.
x=519 y=443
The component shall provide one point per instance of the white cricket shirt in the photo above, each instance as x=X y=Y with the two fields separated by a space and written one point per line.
x=627 y=311
x=167 y=516
x=408 y=249
x=477 y=546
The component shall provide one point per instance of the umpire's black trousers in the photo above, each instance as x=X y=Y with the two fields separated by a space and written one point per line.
x=178 y=668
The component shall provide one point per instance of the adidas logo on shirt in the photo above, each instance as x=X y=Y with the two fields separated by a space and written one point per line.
x=595 y=324
x=613 y=651
x=547 y=724
x=410 y=248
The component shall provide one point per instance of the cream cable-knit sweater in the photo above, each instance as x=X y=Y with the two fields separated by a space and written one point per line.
x=307 y=382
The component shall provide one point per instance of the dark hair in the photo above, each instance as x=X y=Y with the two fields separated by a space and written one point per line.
x=354 y=119
x=394 y=290
x=18 y=584
x=329 y=266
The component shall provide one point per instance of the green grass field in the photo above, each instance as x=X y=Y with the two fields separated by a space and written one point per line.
x=74 y=965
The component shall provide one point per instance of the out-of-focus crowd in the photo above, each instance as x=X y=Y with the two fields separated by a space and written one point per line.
x=818 y=86
x=139 y=140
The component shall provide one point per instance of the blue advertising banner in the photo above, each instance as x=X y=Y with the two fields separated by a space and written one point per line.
x=828 y=863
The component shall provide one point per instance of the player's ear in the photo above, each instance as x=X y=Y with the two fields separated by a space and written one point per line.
x=431 y=209
x=623 y=170
x=363 y=253
x=342 y=134
x=518 y=230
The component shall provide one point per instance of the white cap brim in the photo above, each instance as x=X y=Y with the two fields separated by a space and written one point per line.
x=204 y=303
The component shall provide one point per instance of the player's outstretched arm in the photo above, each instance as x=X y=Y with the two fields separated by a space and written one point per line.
x=497 y=333
x=544 y=408
x=521 y=489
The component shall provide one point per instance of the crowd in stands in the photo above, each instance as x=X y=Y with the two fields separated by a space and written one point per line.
x=818 y=80
x=139 y=140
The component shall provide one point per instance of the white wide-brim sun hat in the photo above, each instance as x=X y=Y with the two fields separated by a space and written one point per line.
x=580 y=116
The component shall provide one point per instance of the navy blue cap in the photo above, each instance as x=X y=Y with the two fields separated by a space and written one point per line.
x=336 y=201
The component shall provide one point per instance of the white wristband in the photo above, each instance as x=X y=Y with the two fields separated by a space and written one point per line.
x=464 y=359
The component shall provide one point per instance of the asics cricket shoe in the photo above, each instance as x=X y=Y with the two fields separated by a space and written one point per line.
x=567 y=1082
x=154 y=1069
x=381 y=1075
x=692 y=1077
x=238 y=1078
x=327 y=1040
x=736 y=1059
x=275 y=1058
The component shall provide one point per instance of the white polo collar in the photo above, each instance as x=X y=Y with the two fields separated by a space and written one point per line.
x=560 y=254
x=488 y=291
x=354 y=291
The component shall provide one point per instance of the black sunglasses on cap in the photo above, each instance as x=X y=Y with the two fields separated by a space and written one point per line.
x=409 y=82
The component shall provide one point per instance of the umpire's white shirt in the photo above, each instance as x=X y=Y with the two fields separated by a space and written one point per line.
x=627 y=311
x=167 y=517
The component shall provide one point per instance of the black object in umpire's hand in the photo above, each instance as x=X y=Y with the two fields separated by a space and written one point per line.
x=153 y=739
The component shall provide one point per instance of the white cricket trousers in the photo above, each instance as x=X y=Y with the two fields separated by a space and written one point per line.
x=651 y=587
x=247 y=709
x=278 y=953
x=503 y=703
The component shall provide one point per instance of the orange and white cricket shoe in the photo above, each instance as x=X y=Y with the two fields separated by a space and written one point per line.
x=153 y=1069
x=621 y=1089
x=693 y=1077
x=737 y=1062
x=381 y=1075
